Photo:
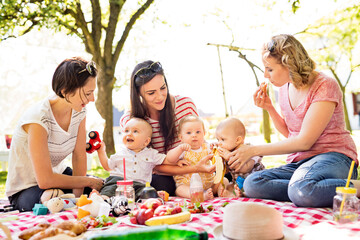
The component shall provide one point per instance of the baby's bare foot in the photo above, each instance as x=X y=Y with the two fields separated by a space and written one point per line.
x=238 y=192
x=208 y=194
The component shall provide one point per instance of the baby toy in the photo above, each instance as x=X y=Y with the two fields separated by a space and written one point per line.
x=119 y=206
x=58 y=204
x=94 y=206
x=40 y=209
x=94 y=142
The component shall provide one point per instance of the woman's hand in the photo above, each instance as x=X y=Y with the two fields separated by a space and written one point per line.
x=262 y=99
x=96 y=183
x=239 y=157
x=203 y=165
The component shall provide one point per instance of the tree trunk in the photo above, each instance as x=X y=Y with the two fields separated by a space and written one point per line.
x=266 y=126
x=347 y=121
x=105 y=108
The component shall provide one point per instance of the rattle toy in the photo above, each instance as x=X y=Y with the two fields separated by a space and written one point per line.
x=94 y=142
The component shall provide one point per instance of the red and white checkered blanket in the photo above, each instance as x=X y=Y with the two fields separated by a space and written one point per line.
x=308 y=223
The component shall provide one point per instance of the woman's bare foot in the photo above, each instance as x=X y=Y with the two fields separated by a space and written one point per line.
x=208 y=194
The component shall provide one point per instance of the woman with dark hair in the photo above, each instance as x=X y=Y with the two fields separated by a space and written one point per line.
x=47 y=133
x=151 y=100
x=320 y=149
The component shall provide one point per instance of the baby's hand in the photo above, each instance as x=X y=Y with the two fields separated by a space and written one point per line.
x=185 y=147
x=102 y=147
x=213 y=145
x=182 y=163
x=224 y=153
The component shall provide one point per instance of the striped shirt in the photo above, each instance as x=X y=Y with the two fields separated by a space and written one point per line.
x=61 y=143
x=184 y=106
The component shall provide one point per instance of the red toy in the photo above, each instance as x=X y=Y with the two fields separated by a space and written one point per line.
x=94 y=142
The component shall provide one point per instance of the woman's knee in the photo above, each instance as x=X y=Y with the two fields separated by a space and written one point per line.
x=304 y=194
x=251 y=185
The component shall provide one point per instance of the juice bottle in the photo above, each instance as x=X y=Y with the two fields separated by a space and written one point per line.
x=196 y=189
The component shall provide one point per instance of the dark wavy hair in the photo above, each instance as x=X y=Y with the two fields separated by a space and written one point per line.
x=138 y=106
x=72 y=74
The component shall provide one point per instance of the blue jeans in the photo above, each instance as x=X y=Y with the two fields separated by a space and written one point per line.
x=311 y=182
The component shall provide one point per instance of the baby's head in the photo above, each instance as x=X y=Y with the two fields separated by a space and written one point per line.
x=192 y=131
x=230 y=133
x=137 y=134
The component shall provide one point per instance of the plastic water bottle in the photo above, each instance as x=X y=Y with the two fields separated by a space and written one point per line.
x=196 y=189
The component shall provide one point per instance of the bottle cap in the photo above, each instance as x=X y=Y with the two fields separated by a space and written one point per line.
x=346 y=190
x=124 y=182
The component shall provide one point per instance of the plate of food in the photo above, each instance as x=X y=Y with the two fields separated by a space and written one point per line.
x=195 y=208
x=96 y=223
x=153 y=213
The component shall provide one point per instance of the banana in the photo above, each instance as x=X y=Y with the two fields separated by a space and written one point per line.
x=219 y=169
x=214 y=151
x=169 y=219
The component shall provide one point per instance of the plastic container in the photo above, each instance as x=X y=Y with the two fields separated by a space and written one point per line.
x=125 y=188
x=350 y=209
x=196 y=189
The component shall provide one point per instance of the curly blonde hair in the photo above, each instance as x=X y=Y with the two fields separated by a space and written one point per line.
x=289 y=52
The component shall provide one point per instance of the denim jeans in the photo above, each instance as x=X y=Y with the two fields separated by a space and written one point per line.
x=26 y=199
x=311 y=182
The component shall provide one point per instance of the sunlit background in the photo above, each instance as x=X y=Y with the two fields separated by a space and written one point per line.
x=177 y=34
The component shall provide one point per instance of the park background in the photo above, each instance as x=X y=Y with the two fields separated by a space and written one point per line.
x=183 y=36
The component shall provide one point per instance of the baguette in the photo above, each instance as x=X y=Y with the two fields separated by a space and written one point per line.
x=73 y=226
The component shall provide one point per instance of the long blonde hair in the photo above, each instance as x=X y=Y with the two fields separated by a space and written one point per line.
x=289 y=52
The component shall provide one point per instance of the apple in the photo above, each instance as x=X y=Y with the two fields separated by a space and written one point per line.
x=161 y=210
x=177 y=209
x=152 y=203
x=133 y=220
x=143 y=215
x=134 y=213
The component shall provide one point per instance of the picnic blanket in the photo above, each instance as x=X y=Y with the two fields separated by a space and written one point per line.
x=308 y=223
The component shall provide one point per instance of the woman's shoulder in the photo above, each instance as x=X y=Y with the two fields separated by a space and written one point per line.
x=124 y=119
x=182 y=99
x=185 y=104
x=38 y=111
x=325 y=83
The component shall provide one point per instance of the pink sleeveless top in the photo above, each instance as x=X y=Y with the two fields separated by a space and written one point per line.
x=335 y=137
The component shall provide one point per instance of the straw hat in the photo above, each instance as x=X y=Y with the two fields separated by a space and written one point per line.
x=252 y=221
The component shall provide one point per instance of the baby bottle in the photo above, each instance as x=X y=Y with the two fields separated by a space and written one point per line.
x=196 y=189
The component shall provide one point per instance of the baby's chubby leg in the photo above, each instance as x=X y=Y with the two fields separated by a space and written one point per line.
x=183 y=191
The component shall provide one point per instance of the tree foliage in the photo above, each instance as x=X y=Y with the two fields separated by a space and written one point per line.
x=337 y=41
x=102 y=26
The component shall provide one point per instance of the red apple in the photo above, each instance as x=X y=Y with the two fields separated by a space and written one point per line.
x=152 y=203
x=134 y=213
x=133 y=220
x=178 y=209
x=161 y=210
x=143 y=215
